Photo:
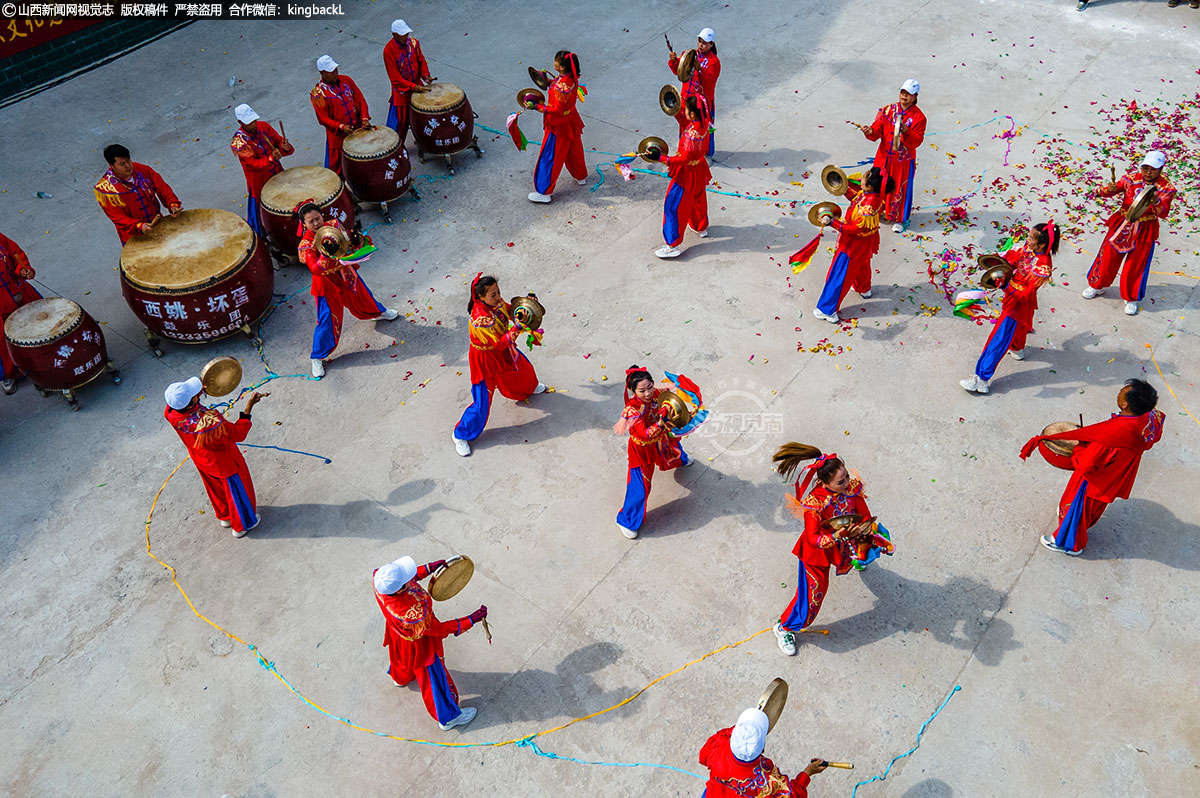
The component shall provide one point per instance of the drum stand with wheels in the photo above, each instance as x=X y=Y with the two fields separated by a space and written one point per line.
x=474 y=145
x=154 y=341
x=156 y=344
x=69 y=393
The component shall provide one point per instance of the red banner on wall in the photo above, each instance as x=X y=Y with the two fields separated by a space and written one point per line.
x=23 y=33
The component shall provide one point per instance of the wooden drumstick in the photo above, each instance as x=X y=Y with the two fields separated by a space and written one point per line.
x=1112 y=170
x=282 y=132
x=842 y=765
x=487 y=630
x=816 y=631
x=668 y=41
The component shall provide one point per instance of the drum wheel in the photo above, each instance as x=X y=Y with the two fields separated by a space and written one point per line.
x=155 y=343
x=69 y=395
x=43 y=392
x=475 y=146
x=420 y=155
x=113 y=372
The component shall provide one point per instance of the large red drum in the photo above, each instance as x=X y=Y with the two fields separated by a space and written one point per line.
x=442 y=121
x=283 y=192
x=200 y=276
x=57 y=344
x=376 y=167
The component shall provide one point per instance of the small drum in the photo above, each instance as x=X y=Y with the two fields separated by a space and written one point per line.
x=376 y=167
x=442 y=121
x=1058 y=453
x=201 y=276
x=58 y=345
x=283 y=192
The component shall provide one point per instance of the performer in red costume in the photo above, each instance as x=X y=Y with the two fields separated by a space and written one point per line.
x=703 y=83
x=1131 y=243
x=737 y=767
x=414 y=635
x=407 y=71
x=562 y=135
x=838 y=492
x=496 y=363
x=686 y=204
x=212 y=442
x=259 y=149
x=857 y=243
x=129 y=194
x=651 y=446
x=15 y=291
x=341 y=109
x=1032 y=266
x=1105 y=463
x=900 y=129
x=336 y=287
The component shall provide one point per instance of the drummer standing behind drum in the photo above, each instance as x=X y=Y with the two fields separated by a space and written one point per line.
x=562 y=135
x=413 y=637
x=1032 y=266
x=336 y=287
x=1105 y=463
x=15 y=291
x=211 y=442
x=408 y=72
x=686 y=203
x=900 y=129
x=737 y=767
x=495 y=361
x=341 y=109
x=703 y=81
x=857 y=243
x=1131 y=243
x=129 y=193
x=259 y=148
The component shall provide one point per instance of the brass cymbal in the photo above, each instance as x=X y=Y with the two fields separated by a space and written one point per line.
x=817 y=211
x=773 y=700
x=687 y=65
x=341 y=241
x=1142 y=203
x=669 y=99
x=529 y=311
x=997 y=270
x=680 y=414
x=451 y=578
x=541 y=78
x=834 y=179
x=221 y=376
x=652 y=144
x=841 y=522
x=530 y=95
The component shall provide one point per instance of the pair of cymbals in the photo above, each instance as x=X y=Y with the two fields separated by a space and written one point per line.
x=997 y=270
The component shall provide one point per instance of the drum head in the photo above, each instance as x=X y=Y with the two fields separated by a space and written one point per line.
x=42 y=320
x=451 y=578
x=1064 y=446
x=440 y=97
x=370 y=143
x=773 y=700
x=283 y=192
x=221 y=376
x=188 y=250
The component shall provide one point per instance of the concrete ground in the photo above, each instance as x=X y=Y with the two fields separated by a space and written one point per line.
x=1078 y=675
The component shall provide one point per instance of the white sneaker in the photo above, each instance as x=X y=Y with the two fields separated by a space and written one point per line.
x=239 y=534
x=704 y=233
x=898 y=227
x=467 y=715
x=1091 y=293
x=1131 y=308
x=1016 y=354
x=627 y=532
x=973 y=383
x=540 y=388
x=226 y=524
x=388 y=315
x=832 y=319
x=666 y=252
x=1049 y=543
x=786 y=640
x=865 y=295
x=318 y=368
x=462 y=447
x=10 y=386
x=534 y=197
x=582 y=182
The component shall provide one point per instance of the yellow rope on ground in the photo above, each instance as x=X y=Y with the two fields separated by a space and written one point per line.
x=1169 y=388
x=1176 y=274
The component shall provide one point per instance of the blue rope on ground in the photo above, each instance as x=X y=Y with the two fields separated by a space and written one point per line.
x=293 y=451
x=529 y=744
x=909 y=752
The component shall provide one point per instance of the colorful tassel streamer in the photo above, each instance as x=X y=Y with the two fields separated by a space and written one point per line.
x=514 y=130
x=801 y=259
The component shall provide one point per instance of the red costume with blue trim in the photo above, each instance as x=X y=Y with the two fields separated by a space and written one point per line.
x=730 y=777
x=857 y=243
x=496 y=364
x=211 y=441
x=1134 y=245
x=686 y=204
x=1030 y=272
x=562 y=136
x=413 y=637
x=131 y=205
x=897 y=157
x=702 y=86
x=1105 y=464
x=255 y=152
x=341 y=109
x=15 y=291
x=336 y=287
x=407 y=70
x=651 y=446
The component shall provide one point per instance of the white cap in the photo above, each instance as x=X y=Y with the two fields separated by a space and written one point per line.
x=400 y=27
x=708 y=34
x=395 y=575
x=1155 y=159
x=749 y=736
x=911 y=86
x=180 y=394
x=245 y=114
x=326 y=64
